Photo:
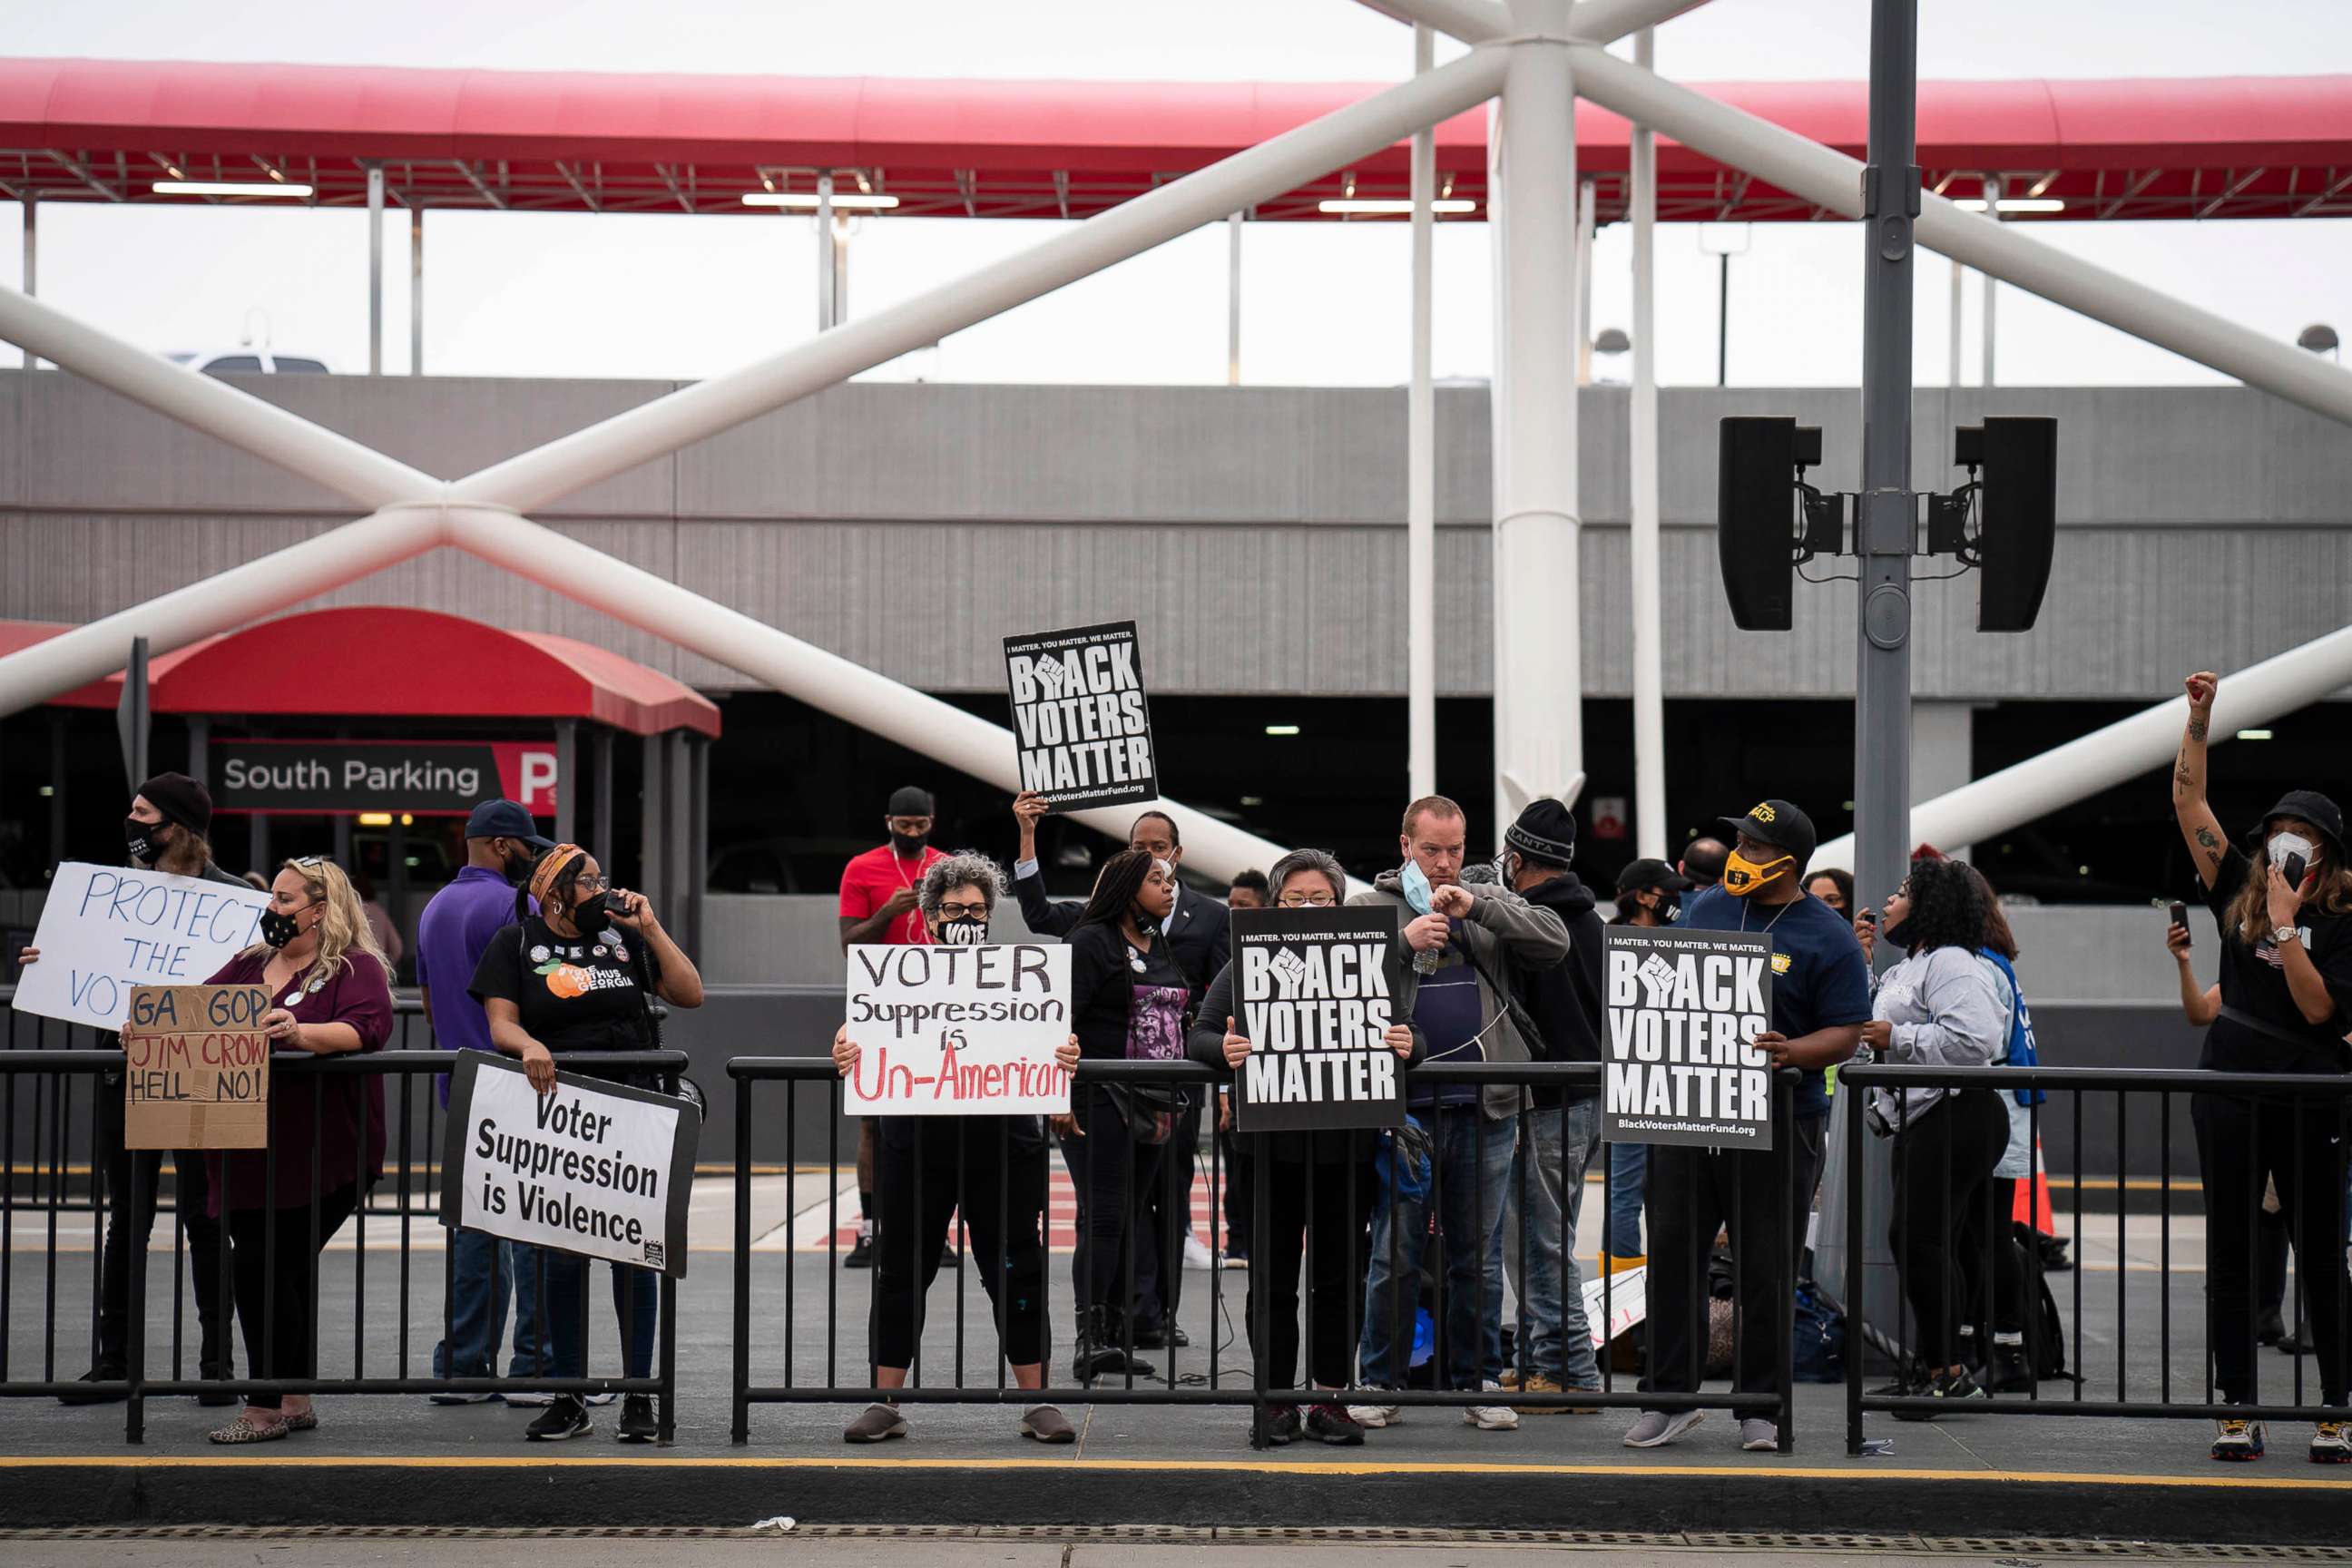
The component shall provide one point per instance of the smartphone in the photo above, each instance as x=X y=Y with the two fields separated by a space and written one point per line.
x=2292 y=869
x=1868 y=914
x=2179 y=915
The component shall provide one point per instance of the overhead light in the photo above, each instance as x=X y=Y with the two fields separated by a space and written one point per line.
x=1385 y=204
x=1282 y=729
x=2253 y=734
x=47 y=790
x=375 y=819
x=2014 y=204
x=228 y=189
x=806 y=201
x=1253 y=800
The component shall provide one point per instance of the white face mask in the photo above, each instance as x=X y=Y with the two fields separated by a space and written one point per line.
x=2283 y=845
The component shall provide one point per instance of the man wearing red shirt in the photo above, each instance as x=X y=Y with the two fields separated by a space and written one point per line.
x=877 y=905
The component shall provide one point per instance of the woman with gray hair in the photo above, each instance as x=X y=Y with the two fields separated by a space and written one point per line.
x=928 y=1168
x=1318 y=1188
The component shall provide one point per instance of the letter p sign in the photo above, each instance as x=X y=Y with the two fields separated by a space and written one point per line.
x=538 y=781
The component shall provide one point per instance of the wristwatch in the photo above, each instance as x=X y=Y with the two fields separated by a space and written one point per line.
x=2283 y=935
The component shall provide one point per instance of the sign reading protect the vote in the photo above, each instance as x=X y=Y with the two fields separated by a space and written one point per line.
x=959 y=1031
x=1681 y=1007
x=596 y=1168
x=1315 y=993
x=1078 y=715
x=106 y=929
x=196 y=1067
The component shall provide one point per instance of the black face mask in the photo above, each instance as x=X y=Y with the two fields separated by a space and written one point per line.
x=909 y=846
x=144 y=839
x=1899 y=934
x=516 y=870
x=277 y=929
x=593 y=914
x=964 y=933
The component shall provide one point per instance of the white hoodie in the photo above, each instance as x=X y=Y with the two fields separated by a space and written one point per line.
x=1947 y=1013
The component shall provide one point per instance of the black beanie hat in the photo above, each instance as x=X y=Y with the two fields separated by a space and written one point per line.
x=1545 y=831
x=181 y=799
x=909 y=801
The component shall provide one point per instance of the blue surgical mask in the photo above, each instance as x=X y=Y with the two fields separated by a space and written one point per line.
x=1415 y=887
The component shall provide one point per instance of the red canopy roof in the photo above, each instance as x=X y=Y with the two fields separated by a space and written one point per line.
x=105 y=130
x=387 y=660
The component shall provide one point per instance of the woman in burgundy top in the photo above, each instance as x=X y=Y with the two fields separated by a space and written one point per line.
x=329 y=991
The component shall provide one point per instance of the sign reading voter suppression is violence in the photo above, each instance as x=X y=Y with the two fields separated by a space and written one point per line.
x=1314 y=991
x=959 y=1031
x=105 y=929
x=1079 y=718
x=1681 y=1008
x=592 y=1167
x=196 y=1067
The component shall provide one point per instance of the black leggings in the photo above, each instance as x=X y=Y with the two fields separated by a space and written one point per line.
x=1111 y=1172
x=277 y=1312
x=999 y=1181
x=1992 y=1292
x=2239 y=1143
x=1943 y=1159
x=191 y=1196
x=1310 y=1211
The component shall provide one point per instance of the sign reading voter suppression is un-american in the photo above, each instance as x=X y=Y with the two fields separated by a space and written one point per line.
x=1083 y=728
x=959 y=1031
x=1314 y=993
x=1681 y=1008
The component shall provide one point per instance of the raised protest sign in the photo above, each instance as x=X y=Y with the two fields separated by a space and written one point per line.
x=959 y=1031
x=196 y=1067
x=1312 y=992
x=1078 y=715
x=105 y=929
x=1682 y=1007
x=596 y=1168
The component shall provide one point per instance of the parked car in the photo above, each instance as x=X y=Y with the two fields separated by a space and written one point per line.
x=249 y=362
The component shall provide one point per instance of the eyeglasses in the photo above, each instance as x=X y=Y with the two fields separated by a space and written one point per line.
x=592 y=884
x=1305 y=901
x=963 y=911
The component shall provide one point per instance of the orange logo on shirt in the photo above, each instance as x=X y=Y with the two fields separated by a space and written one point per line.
x=566 y=980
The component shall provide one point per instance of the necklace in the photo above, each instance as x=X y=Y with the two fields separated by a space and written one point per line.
x=918 y=933
x=1768 y=925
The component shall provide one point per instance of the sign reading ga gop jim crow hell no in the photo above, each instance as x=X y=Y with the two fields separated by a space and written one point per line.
x=1078 y=716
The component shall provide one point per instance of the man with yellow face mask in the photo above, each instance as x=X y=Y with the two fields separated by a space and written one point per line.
x=1821 y=999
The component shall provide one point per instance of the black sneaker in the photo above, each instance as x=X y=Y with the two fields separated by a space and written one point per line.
x=1282 y=1425
x=99 y=1374
x=862 y=1255
x=566 y=1418
x=1906 y=1384
x=1954 y=1386
x=637 y=1422
x=1332 y=1423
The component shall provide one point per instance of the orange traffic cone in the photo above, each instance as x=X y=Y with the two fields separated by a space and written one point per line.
x=2032 y=1206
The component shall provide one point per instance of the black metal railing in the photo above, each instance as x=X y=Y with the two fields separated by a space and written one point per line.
x=2296 y=1117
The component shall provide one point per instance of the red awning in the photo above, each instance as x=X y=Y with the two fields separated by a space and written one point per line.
x=390 y=661
x=106 y=129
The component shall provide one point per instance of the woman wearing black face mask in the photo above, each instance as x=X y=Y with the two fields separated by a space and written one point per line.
x=573 y=977
x=2284 y=917
x=928 y=1168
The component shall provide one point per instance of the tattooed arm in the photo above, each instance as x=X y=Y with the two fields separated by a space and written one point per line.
x=2198 y=827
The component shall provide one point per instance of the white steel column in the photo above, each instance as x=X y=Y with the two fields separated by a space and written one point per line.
x=1649 y=659
x=416 y=291
x=1538 y=691
x=375 y=268
x=32 y=205
x=825 y=316
x=1960 y=274
x=1991 y=284
x=1586 y=223
x=1420 y=466
x=1233 y=300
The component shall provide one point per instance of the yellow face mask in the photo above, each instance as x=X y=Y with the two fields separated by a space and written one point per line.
x=1742 y=876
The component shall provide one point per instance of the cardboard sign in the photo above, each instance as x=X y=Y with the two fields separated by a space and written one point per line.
x=1078 y=716
x=959 y=1031
x=1314 y=992
x=600 y=1169
x=196 y=1067
x=106 y=929
x=1681 y=1008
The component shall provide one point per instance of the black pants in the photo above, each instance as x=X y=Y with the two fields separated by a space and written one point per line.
x=1692 y=1193
x=1241 y=1168
x=1111 y=1173
x=1944 y=1158
x=998 y=1178
x=1993 y=1277
x=191 y=1196
x=277 y=1311
x=1168 y=1212
x=1311 y=1215
x=2239 y=1143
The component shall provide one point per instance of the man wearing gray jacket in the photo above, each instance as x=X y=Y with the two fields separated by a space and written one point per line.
x=1469 y=947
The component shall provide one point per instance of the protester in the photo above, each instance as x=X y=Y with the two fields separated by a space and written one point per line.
x=877 y=905
x=1558 y=1134
x=170 y=815
x=1649 y=894
x=931 y=1167
x=570 y=918
x=1319 y=1196
x=1938 y=1007
x=1469 y=950
x=2009 y=1368
x=2286 y=990
x=330 y=993
x=1821 y=999
x=1834 y=887
x=1128 y=1002
x=501 y=845
x=1703 y=862
x=1248 y=891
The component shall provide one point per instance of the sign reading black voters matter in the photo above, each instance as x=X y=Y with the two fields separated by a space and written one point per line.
x=1682 y=1007
x=1079 y=717
x=1314 y=994
x=959 y=1031
x=596 y=1168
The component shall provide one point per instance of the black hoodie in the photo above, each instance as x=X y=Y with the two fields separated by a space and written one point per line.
x=1566 y=1002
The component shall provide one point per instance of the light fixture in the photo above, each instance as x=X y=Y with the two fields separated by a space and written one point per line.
x=228 y=189
x=806 y=201
x=375 y=819
x=406 y=820
x=1253 y=800
x=2253 y=734
x=2014 y=204
x=1613 y=340
x=1282 y=729
x=1382 y=205
x=47 y=790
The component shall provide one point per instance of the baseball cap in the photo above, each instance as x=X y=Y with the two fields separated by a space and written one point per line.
x=505 y=819
x=1645 y=874
x=1777 y=822
x=2307 y=804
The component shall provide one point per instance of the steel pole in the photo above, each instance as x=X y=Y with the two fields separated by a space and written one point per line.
x=1723 y=319
x=1420 y=466
x=32 y=205
x=1960 y=274
x=1887 y=531
x=1234 y=299
x=416 y=291
x=1991 y=284
x=375 y=268
x=1649 y=659
x=826 y=320
x=1586 y=223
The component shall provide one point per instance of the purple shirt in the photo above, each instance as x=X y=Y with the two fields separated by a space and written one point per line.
x=451 y=933
x=327 y=1131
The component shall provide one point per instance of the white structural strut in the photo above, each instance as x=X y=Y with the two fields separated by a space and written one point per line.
x=358 y=473
x=1472 y=21
x=1606 y=21
x=1649 y=662
x=1538 y=691
x=1421 y=469
x=1833 y=181
x=698 y=411
x=2123 y=749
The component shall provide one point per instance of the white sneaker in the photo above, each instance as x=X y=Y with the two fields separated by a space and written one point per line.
x=1491 y=1417
x=1197 y=1254
x=1657 y=1428
x=529 y=1401
x=1376 y=1414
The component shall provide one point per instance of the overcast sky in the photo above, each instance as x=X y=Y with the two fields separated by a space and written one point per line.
x=557 y=294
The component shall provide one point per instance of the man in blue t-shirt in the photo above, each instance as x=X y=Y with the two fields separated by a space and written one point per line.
x=1821 y=999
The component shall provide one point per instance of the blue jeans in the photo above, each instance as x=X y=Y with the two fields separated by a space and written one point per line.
x=1471 y=1161
x=1629 y=1165
x=636 y=1307
x=483 y=1268
x=1547 y=1191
